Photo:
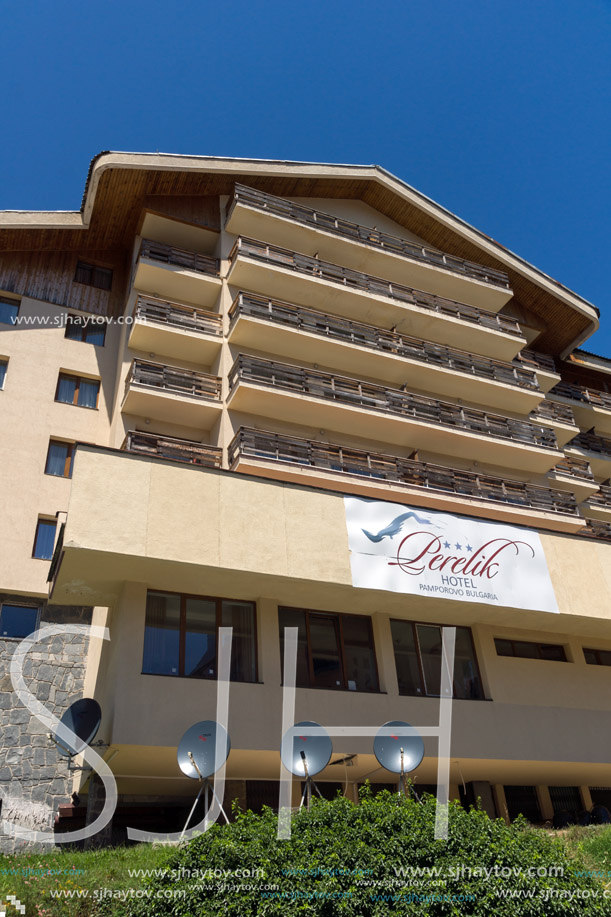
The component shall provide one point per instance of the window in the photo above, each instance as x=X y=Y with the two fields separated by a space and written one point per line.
x=18 y=620
x=9 y=310
x=75 y=390
x=522 y=800
x=45 y=539
x=418 y=661
x=597 y=657
x=180 y=636
x=59 y=459
x=523 y=649
x=3 y=368
x=333 y=650
x=86 y=329
x=93 y=275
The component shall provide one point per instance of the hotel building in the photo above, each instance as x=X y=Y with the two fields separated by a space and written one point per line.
x=286 y=341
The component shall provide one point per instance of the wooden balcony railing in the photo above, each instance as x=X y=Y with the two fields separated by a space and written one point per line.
x=168 y=447
x=354 y=280
x=339 y=329
x=177 y=315
x=596 y=529
x=554 y=411
x=574 y=468
x=594 y=397
x=591 y=443
x=602 y=497
x=173 y=380
x=344 y=390
x=180 y=257
x=264 y=446
x=317 y=219
x=534 y=360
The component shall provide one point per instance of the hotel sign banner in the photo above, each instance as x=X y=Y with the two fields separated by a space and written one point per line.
x=423 y=552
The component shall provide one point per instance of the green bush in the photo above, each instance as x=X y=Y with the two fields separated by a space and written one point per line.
x=346 y=860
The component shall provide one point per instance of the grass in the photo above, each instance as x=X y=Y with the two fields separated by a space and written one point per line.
x=36 y=878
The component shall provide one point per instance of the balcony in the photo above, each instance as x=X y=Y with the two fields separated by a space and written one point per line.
x=262 y=216
x=353 y=347
x=595 y=449
x=575 y=475
x=598 y=505
x=290 y=276
x=172 y=395
x=596 y=529
x=335 y=467
x=543 y=365
x=177 y=274
x=296 y=395
x=175 y=330
x=173 y=449
x=559 y=418
x=591 y=407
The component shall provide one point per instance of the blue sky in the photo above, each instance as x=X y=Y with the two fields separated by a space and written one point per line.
x=497 y=109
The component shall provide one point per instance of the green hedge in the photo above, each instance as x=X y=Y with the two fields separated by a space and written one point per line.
x=342 y=859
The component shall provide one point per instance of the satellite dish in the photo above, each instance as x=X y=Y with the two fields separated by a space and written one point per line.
x=197 y=750
x=313 y=750
x=387 y=747
x=83 y=718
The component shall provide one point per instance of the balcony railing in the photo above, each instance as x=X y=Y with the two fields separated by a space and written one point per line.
x=177 y=315
x=591 y=396
x=390 y=342
x=168 y=447
x=590 y=442
x=552 y=410
x=347 y=391
x=534 y=360
x=354 y=280
x=174 y=381
x=574 y=468
x=179 y=257
x=317 y=219
x=264 y=446
x=596 y=529
x=602 y=497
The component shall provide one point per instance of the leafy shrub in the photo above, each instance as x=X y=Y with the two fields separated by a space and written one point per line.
x=345 y=860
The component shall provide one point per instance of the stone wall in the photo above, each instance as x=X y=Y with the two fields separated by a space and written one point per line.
x=34 y=777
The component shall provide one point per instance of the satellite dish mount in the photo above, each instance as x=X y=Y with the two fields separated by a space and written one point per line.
x=197 y=758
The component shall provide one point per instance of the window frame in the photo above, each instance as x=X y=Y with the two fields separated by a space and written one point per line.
x=92 y=267
x=182 y=634
x=77 y=388
x=85 y=328
x=4 y=361
x=69 y=460
x=37 y=608
x=590 y=649
x=10 y=301
x=49 y=520
x=342 y=653
x=419 y=658
x=535 y=643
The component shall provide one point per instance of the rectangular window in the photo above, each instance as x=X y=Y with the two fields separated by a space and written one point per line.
x=82 y=328
x=9 y=310
x=59 y=459
x=418 y=661
x=76 y=390
x=44 y=540
x=180 y=636
x=92 y=275
x=597 y=657
x=333 y=650
x=3 y=368
x=524 y=649
x=18 y=620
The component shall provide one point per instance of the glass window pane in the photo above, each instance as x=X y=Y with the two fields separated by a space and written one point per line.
x=406 y=658
x=552 y=651
x=74 y=329
x=56 y=458
x=324 y=649
x=45 y=539
x=66 y=389
x=88 y=394
x=429 y=640
x=3 y=366
x=161 y=634
x=525 y=650
x=9 y=310
x=466 y=677
x=241 y=616
x=359 y=655
x=295 y=617
x=200 y=638
x=591 y=657
x=604 y=657
x=503 y=647
x=95 y=334
x=17 y=620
